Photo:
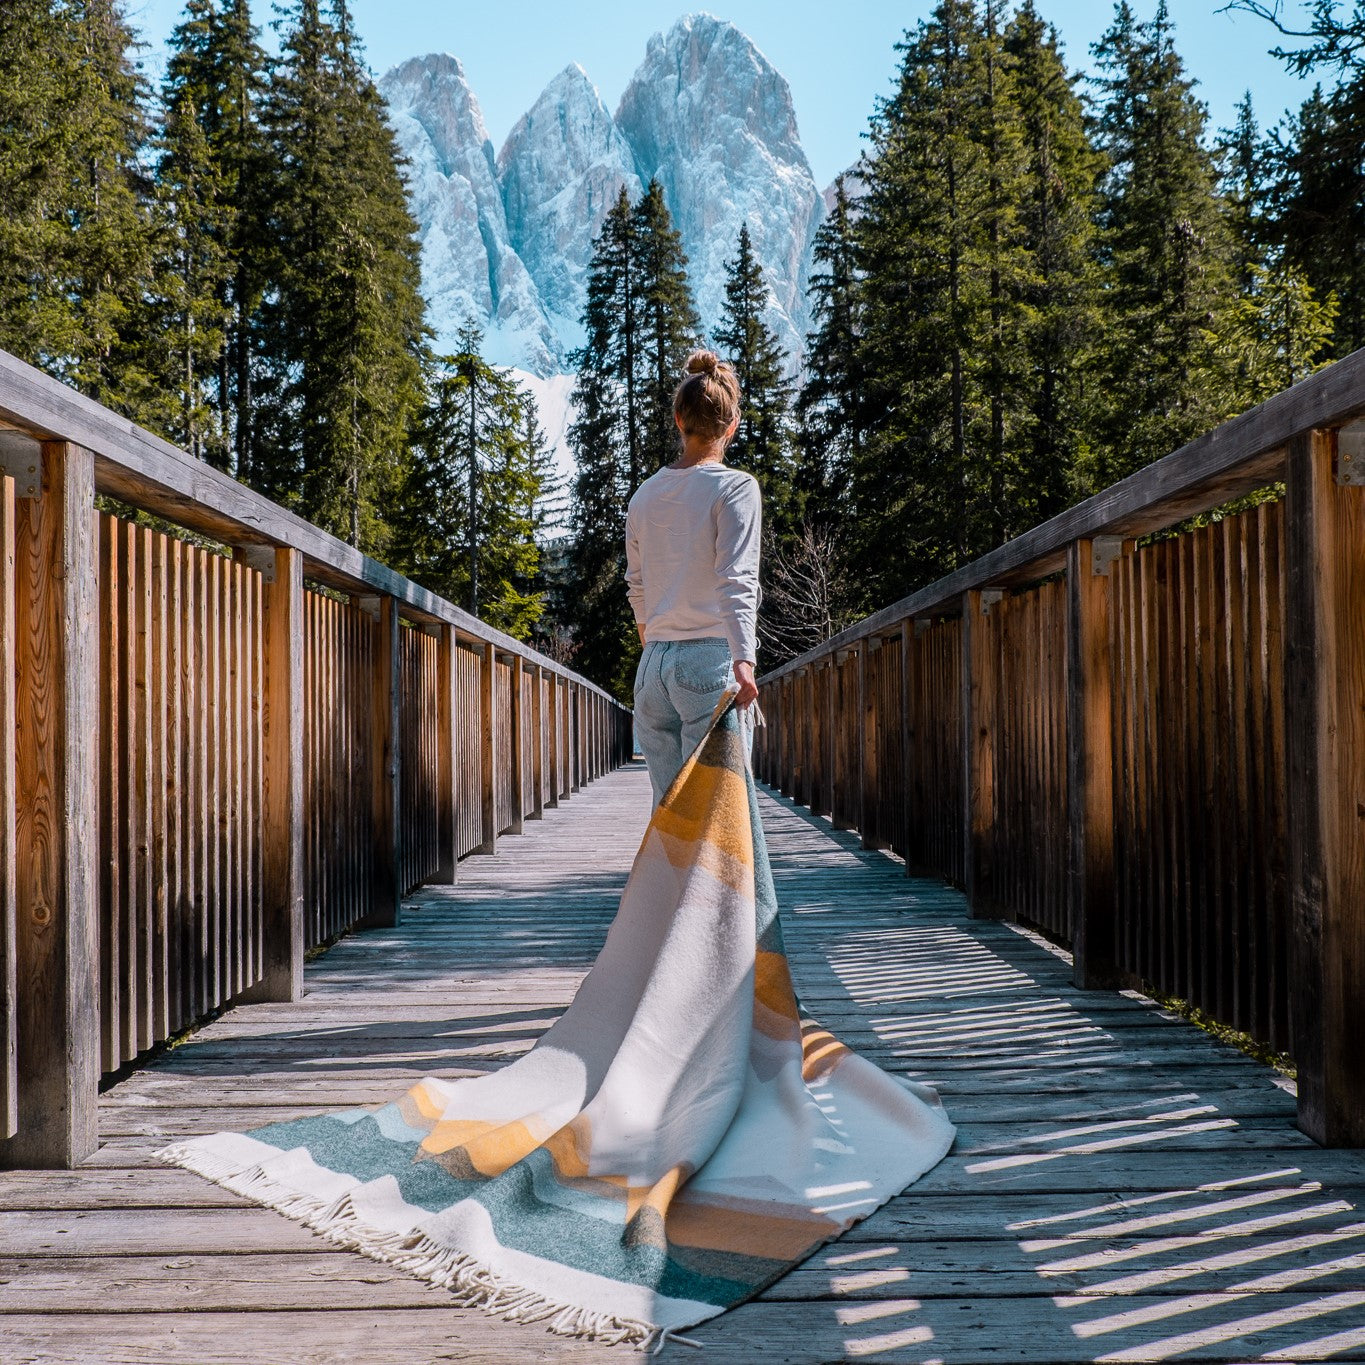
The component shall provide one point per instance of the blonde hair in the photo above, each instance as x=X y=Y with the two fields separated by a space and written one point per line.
x=706 y=400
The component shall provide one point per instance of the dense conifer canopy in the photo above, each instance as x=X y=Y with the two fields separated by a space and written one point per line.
x=1030 y=285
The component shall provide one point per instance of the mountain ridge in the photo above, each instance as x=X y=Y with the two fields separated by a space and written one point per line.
x=507 y=238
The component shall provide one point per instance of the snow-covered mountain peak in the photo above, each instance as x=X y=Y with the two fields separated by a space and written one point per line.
x=561 y=168
x=470 y=270
x=435 y=92
x=507 y=238
x=712 y=119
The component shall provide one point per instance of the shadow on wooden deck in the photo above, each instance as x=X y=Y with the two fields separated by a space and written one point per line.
x=1122 y=1188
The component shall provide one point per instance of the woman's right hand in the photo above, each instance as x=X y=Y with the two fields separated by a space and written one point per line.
x=748 y=689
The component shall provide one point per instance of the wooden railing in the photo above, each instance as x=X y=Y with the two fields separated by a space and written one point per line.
x=1151 y=748
x=216 y=754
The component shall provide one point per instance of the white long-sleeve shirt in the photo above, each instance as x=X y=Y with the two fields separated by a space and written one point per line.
x=692 y=538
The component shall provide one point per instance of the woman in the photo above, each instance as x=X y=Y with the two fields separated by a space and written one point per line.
x=692 y=537
x=683 y=1134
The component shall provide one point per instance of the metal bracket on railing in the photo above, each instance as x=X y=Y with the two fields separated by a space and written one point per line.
x=369 y=605
x=923 y=624
x=21 y=457
x=1351 y=455
x=1104 y=550
x=989 y=597
x=261 y=558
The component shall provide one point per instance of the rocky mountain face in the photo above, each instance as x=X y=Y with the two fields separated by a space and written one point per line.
x=469 y=267
x=507 y=240
x=710 y=117
x=561 y=169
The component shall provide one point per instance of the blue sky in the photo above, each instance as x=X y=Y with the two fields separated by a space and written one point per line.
x=838 y=57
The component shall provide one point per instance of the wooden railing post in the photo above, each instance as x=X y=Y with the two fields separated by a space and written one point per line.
x=576 y=707
x=1090 y=764
x=488 y=743
x=386 y=893
x=906 y=644
x=56 y=850
x=869 y=821
x=282 y=809
x=841 y=762
x=815 y=743
x=980 y=704
x=552 y=706
x=805 y=693
x=829 y=759
x=518 y=747
x=1325 y=743
x=447 y=758
x=537 y=743
x=783 y=734
x=594 y=767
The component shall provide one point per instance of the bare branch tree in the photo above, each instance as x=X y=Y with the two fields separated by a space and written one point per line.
x=1329 y=40
x=809 y=596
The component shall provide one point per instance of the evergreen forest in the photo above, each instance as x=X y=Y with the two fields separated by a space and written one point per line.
x=1032 y=284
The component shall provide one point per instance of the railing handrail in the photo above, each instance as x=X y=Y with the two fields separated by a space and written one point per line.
x=1242 y=454
x=144 y=470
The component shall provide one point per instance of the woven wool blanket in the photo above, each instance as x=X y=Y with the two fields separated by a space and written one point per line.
x=677 y=1141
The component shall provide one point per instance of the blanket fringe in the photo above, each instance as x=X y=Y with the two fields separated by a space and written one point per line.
x=470 y=1282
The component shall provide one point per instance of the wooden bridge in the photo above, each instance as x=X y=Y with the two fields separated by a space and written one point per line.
x=1143 y=759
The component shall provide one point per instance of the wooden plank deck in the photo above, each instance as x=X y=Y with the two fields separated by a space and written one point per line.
x=1123 y=1188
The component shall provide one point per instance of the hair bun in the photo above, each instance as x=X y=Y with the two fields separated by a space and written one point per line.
x=701 y=362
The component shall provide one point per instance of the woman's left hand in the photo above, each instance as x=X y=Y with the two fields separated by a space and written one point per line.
x=748 y=689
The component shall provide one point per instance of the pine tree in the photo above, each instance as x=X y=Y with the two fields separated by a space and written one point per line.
x=1166 y=252
x=191 y=314
x=77 y=257
x=670 y=327
x=470 y=509
x=607 y=440
x=762 y=443
x=1056 y=226
x=343 y=315
x=1281 y=328
x=946 y=269
x=639 y=322
x=1244 y=155
x=215 y=81
x=40 y=181
x=829 y=406
x=1317 y=202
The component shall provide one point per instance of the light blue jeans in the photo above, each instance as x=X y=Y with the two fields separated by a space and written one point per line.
x=677 y=686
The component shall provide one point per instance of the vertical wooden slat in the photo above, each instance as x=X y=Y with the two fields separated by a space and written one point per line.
x=866 y=756
x=488 y=718
x=1277 y=783
x=980 y=706
x=156 y=736
x=447 y=758
x=250 y=805
x=385 y=891
x=537 y=743
x=552 y=708
x=1260 y=836
x=9 y=982
x=213 y=763
x=1325 y=732
x=110 y=789
x=194 y=774
x=174 y=797
x=1189 y=741
x=518 y=745
x=57 y=813
x=282 y=775
x=1089 y=769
